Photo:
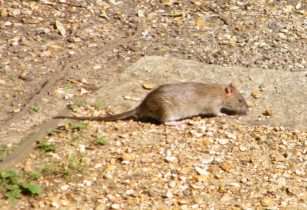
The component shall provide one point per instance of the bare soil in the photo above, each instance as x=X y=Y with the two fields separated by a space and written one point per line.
x=54 y=53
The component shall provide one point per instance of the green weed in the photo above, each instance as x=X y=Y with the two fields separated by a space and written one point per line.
x=78 y=125
x=46 y=147
x=14 y=185
x=101 y=140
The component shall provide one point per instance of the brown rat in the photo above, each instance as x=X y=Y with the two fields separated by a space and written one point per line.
x=171 y=102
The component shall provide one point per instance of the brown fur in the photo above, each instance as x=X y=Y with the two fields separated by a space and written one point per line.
x=177 y=101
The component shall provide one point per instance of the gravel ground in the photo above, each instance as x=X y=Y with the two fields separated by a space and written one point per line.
x=202 y=164
x=213 y=163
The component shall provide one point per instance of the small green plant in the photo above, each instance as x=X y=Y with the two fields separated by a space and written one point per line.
x=79 y=102
x=65 y=168
x=4 y=150
x=78 y=125
x=14 y=185
x=68 y=87
x=34 y=175
x=53 y=168
x=35 y=109
x=101 y=140
x=75 y=162
x=31 y=189
x=12 y=192
x=50 y=131
x=99 y=104
x=46 y=146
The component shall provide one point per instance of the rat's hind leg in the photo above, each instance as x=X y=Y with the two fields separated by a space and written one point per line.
x=171 y=120
x=167 y=117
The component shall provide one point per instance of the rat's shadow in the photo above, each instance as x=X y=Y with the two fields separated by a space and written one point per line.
x=228 y=112
x=157 y=122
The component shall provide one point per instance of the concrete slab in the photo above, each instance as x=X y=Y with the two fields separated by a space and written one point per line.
x=282 y=93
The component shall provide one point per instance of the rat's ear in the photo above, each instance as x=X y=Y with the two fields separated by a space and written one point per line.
x=229 y=89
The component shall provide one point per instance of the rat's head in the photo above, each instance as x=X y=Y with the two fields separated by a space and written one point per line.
x=234 y=103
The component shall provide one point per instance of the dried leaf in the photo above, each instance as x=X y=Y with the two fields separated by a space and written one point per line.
x=60 y=27
x=268 y=112
x=148 y=86
x=103 y=14
x=200 y=22
x=197 y=2
x=256 y=94
x=168 y=2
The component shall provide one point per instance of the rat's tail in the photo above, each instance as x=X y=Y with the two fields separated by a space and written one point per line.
x=122 y=116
